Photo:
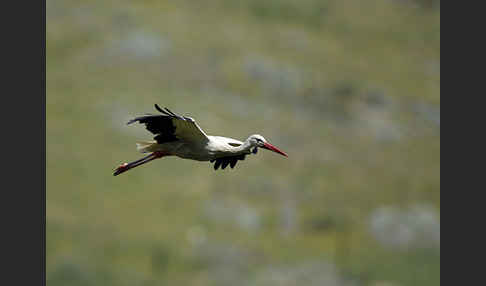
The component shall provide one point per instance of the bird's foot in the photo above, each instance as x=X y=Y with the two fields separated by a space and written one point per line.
x=127 y=166
x=122 y=168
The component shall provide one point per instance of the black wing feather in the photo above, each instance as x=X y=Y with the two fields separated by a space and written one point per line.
x=224 y=161
x=216 y=165
x=233 y=162
x=160 y=125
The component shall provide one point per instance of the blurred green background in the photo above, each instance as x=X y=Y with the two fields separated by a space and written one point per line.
x=349 y=89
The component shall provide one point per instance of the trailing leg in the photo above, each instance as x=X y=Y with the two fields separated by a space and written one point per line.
x=127 y=166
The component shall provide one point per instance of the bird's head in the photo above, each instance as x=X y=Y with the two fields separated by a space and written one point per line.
x=257 y=140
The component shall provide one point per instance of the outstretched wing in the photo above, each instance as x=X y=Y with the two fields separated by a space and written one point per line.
x=224 y=161
x=170 y=127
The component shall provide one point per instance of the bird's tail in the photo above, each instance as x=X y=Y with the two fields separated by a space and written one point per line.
x=146 y=146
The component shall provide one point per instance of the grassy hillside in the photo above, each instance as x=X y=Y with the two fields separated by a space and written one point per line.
x=349 y=89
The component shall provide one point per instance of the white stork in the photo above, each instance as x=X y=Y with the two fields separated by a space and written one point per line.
x=181 y=136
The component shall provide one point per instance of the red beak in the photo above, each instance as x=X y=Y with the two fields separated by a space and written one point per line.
x=270 y=147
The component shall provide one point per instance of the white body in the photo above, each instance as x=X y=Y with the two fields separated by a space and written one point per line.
x=213 y=148
x=181 y=136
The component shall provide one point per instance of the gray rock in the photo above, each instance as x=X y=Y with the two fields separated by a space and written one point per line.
x=309 y=273
x=415 y=227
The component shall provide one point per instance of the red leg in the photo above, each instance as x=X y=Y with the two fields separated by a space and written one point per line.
x=127 y=166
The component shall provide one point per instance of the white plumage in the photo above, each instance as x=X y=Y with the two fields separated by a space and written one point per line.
x=181 y=136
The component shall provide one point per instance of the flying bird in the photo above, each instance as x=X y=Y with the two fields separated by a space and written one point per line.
x=181 y=136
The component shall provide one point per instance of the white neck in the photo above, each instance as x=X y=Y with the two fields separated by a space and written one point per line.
x=243 y=148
